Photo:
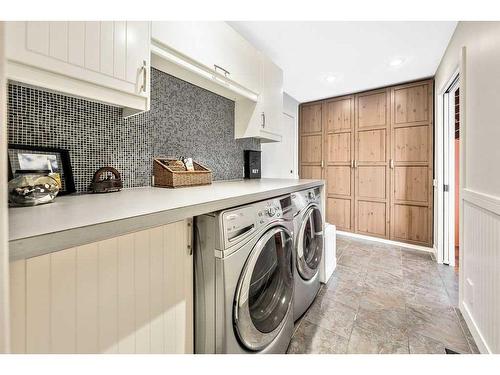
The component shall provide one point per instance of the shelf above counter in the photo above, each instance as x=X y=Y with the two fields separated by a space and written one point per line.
x=76 y=220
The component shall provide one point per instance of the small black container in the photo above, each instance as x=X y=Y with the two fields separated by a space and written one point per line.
x=252 y=164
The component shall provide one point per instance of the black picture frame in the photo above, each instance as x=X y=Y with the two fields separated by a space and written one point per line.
x=67 y=175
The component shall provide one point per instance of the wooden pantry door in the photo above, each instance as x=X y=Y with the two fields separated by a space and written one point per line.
x=412 y=172
x=311 y=143
x=338 y=125
x=372 y=150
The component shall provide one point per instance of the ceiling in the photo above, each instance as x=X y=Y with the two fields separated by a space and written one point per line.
x=324 y=59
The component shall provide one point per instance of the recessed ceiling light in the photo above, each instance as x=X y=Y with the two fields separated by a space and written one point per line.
x=396 y=62
x=331 y=78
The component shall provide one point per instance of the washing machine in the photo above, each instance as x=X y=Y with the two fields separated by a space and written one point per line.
x=308 y=247
x=244 y=279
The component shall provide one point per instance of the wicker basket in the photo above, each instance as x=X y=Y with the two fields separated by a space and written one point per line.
x=171 y=173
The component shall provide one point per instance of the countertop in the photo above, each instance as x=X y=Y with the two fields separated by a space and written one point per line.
x=75 y=220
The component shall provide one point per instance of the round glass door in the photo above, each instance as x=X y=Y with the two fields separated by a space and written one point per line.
x=310 y=243
x=265 y=291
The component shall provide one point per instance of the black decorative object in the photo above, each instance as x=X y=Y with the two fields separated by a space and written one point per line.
x=56 y=160
x=106 y=180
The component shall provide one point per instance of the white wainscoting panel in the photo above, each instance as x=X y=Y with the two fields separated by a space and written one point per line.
x=129 y=294
x=481 y=275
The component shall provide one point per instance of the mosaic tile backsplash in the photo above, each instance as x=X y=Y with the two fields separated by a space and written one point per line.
x=184 y=120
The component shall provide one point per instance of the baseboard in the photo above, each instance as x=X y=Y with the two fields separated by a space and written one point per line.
x=389 y=242
x=474 y=329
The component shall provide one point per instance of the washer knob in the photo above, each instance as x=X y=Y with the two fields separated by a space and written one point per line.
x=271 y=211
x=310 y=195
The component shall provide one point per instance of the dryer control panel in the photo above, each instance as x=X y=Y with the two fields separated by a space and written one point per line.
x=302 y=199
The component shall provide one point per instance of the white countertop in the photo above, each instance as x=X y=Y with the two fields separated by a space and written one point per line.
x=75 y=220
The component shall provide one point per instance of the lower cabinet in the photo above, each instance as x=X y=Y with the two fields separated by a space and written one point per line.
x=128 y=294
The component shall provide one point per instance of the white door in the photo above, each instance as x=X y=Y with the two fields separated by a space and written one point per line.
x=449 y=174
x=279 y=159
x=289 y=141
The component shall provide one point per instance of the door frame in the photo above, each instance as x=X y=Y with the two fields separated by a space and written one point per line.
x=294 y=143
x=449 y=174
x=4 y=245
x=442 y=124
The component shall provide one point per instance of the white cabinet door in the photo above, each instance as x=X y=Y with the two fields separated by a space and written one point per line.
x=214 y=45
x=138 y=55
x=272 y=96
x=83 y=58
x=223 y=49
x=180 y=36
x=128 y=294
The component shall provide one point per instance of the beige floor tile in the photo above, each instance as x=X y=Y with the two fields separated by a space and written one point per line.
x=420 y=344
x=312 y=339
x=365 y=341
x=332 y=315
x=439 y=323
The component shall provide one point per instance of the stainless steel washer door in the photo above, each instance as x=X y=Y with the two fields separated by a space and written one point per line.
x=310 y=243
x=265 y=290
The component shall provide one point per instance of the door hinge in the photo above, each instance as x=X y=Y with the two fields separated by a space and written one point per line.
x=446 y=188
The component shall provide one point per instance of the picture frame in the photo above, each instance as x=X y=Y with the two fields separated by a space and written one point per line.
x=38 y=157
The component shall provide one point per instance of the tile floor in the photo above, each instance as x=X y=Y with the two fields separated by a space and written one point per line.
x=384 y=299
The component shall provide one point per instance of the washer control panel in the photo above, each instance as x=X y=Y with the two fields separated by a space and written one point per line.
x=270 y=210
x=237 y=224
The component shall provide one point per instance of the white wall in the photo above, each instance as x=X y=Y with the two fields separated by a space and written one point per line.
x=479 y=64
x=4 y=254
x=280 y=159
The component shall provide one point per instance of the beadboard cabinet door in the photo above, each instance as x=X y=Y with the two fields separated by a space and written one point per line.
x=106 y=61
x=128 y=294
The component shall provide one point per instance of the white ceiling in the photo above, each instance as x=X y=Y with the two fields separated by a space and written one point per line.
x=357 y=54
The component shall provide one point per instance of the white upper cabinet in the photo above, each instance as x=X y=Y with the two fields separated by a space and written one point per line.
x=106 y=61
x=227 y=65
x=216 y=46
x=228 y=53
x=265 y=116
